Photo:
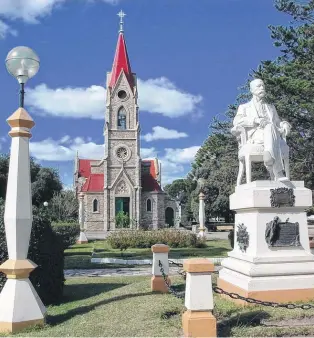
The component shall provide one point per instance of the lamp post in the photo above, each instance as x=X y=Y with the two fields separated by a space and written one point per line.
x=20 y=306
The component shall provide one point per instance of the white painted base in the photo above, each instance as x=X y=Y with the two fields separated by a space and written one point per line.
x=201 y=233
x=82 y=238
x=260 y=267
x=19 y=302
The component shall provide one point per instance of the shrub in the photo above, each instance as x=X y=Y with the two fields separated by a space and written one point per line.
x=68 y=232
x=122 y=220
x=46 y=250
x=145 y=239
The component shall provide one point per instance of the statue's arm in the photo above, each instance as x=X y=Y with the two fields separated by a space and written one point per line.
x=284 y=126
x=242 y=119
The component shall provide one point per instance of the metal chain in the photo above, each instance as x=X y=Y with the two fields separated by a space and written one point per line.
x=260 y=302
x=170 y=288
x=234 y=295
x=180 y=265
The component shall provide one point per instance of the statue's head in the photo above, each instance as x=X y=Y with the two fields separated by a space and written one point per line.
x=257 y=88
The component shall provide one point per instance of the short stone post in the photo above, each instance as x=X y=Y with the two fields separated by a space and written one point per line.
x=82 y=238
x=201 y=215
x=20 y=306
x=198 y=320
x=160 y=253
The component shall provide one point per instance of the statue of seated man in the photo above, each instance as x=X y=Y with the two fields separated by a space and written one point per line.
x=263 y=126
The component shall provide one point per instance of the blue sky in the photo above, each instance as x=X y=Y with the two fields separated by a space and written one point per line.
x=190 y=58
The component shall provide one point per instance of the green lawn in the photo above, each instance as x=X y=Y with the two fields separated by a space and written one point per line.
x=79 y=255
x=125 y=307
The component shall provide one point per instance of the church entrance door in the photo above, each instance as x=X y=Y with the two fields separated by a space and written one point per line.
x=123 y=204
x=169 y=216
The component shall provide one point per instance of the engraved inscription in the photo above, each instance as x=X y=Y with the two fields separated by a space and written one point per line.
x=282 y=234
x=282 y=197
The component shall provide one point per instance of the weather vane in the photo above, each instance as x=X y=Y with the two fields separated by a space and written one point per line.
x=121 y=14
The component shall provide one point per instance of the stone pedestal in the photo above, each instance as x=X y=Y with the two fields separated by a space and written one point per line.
x=82 y=238
x=198 y=320
x=275 y=271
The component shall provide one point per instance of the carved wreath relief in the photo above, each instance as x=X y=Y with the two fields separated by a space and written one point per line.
x=122 y=188
x=282 y=197
x=243 y=237
x=282 y=234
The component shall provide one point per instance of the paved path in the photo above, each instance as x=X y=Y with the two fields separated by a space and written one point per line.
x=147 y=271
x=217 y=235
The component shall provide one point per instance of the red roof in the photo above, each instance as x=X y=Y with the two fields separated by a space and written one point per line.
x=149 y=180
x=121 y=63
x=84 y=168
x=95 y=182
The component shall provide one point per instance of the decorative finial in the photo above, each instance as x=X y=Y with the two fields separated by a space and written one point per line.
x=121 y=14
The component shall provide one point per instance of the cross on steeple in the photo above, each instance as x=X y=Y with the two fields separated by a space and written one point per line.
x=121 y=14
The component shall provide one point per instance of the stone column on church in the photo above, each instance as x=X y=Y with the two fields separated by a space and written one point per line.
x=138 y=207
x=82 y=238
x=20 y=305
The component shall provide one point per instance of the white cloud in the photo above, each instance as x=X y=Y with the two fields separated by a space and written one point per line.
x=174 y=163
x=29 y=11
x=185 y=155
x=161 y=133
x=163 y=97
x=67 y=102
x=51 y=150
x=65 y=149
x=5 y=29
x=148 y=153
x=89 y=102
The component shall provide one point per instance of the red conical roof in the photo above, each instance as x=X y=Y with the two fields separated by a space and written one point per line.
x=121 y=62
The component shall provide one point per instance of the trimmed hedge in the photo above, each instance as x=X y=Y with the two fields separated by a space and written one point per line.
x=125 y=239
x=68 y=232
x=46 y=250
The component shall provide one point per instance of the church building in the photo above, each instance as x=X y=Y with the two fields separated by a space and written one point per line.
x=121 y=181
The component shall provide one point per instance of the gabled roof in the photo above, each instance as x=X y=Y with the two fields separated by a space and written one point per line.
x=84 y=168
x=121 y=63
x=95 y=182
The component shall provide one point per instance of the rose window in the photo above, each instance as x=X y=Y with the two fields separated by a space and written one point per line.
x=122 y=153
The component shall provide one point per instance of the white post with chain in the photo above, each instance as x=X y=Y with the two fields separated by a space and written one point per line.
x=160 y=253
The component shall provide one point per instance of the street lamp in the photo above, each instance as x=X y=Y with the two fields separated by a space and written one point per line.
x=46 y=204
x=22 y=63
x=19 y=312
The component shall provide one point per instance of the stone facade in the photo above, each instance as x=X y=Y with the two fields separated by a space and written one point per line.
x=117 y=182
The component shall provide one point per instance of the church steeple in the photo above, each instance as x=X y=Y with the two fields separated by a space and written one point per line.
x=121 y=60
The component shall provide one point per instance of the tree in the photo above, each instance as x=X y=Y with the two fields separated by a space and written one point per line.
x=177 y=189
x=63 y=207
x=46 y=184
x=290 y=85
x=45 y=181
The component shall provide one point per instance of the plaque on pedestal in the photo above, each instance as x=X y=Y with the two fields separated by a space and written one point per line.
x=282 y=234
x=282 y=197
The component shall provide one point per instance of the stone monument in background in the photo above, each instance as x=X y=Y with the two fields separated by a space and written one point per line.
x=271 y=259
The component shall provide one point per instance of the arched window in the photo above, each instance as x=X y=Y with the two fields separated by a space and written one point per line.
x=95 y=205
x=121 y=118
x=148 y=205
